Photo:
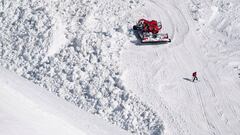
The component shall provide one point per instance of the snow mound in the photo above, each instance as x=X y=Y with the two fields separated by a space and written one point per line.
x=84 y=69
x=29 y=109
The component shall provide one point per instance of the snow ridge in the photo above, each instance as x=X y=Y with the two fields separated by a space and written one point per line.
x=85 y=71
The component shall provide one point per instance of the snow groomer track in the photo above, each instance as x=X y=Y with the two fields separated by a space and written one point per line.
x=160 y=74
x=86 y=52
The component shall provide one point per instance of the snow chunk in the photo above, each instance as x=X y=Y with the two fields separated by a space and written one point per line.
x=59 y=39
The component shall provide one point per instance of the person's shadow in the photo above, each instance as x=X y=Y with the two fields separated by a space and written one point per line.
x=187 y=79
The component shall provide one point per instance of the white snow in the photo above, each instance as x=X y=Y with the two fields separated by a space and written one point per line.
x=86 y=52
x=59 y=39
x=86 y=68
x=160 y=74
x=29 y=109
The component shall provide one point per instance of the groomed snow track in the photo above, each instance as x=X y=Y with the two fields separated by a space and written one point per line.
x=161 y=75
x=80 y=64
x=98 y=65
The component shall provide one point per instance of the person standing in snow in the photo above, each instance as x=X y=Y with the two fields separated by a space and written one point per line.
x=194 y=75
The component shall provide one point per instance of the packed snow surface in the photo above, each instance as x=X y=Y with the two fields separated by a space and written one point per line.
x=85 y=70
x=206 y=39
x=86 y=52
x=27 y=109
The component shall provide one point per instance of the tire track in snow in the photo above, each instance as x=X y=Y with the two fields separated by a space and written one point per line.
x=175 y=17
x=207 y=85
x=220 y=102
x=212 y=99
x=186 y=61
x=213 y=123
x=166 y=13
x=85 y=72
x=211 y=126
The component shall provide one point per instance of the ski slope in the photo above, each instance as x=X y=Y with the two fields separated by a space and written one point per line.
x=86 y=53
x=160 y=74
x=28 y=109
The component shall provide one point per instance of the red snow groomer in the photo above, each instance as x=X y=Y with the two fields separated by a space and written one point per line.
x=148 y=31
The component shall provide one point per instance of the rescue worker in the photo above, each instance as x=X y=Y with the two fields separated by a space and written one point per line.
x=194 y=75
